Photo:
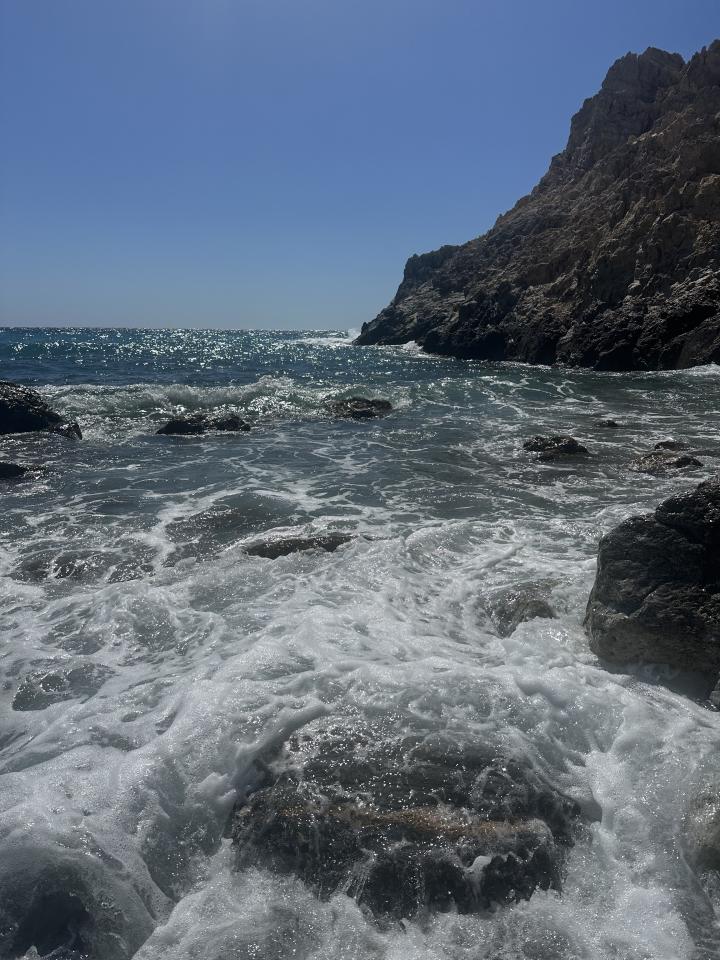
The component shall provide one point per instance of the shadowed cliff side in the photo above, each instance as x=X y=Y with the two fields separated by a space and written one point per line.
x=613 y=260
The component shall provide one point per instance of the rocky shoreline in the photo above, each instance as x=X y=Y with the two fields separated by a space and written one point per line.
x=613 y=261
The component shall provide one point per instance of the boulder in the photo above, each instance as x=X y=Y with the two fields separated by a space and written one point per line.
x=23 y=410
x=360 y=408
x=406 y=825
x=656 y=596
x=199 y=423
x=555 y=447
x=661 y=460
x=271 y=549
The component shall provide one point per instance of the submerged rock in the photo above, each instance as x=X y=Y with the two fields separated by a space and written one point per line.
x=656 y=597
x=406 y=825
x=613 y=260
x=670 y=445
x=609 y=424
x=23 y=410
x=41 y=688
x=509 y=608
x=199 y=423
x=701 y=829
x=281 y=547
x=555 y=447
x=663 y=459
x=360 y=408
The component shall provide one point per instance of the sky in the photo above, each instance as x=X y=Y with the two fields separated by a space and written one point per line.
x=273 y=163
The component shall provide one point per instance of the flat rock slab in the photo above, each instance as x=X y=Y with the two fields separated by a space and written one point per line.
x=23 y=410
x=656 y=597
x=555 y=447
x=406 y=825
x=272 y=549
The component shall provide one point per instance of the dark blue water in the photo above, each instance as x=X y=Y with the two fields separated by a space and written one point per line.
x=144 y=655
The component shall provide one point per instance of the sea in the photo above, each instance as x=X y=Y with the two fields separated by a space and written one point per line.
x=147 y=660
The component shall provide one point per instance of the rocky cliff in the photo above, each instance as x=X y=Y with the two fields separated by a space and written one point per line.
x=613 y=260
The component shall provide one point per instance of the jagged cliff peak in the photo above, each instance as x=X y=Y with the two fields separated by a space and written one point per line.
x=613 y=260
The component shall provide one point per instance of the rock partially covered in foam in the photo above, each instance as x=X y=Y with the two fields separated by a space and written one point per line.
x=360 y=408
x=407 y=825
x=662 y=459
x=271 y=548
x=656 y=596
x=199 y=423
x=23 y=410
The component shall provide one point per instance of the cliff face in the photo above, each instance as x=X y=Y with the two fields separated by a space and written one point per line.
x=613 y=260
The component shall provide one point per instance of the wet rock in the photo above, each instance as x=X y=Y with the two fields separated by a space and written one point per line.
x=229 y=424
x=509 y=608
x=12 y=471
x=613 y=260
x=199 y=423
x=42 y=688
x=609 y=424
x=555 y=447
x=272 y=549
x=670 y=445
x=661 y=460
x=656 y=596
x=407 y=825
x=23 y=410
x=360 y=408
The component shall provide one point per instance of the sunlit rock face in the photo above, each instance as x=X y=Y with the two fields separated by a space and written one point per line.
x=612 y=261
x=656 y=597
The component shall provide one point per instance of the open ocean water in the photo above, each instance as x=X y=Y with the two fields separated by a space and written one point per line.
x=146 y=659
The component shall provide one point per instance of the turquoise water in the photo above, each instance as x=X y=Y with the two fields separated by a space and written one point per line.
x=123 y=573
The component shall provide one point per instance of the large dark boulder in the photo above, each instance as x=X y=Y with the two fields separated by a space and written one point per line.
x=613 y=260
x=408 y=824
x=656 y=597
x=23 y=410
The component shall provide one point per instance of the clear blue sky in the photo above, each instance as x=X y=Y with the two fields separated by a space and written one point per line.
x=273 y=163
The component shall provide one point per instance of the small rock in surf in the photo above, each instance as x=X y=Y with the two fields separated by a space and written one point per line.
x=360 y=408
x=272 y=549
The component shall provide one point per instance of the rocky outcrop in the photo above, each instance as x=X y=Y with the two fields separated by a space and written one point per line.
x=406 y=825
x=23 y=410
x=656 y=597
x=199 y=424
x=613 y=260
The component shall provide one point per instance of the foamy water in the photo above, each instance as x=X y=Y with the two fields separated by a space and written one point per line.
x=175 y=659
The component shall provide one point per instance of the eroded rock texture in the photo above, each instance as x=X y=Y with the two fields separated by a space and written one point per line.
x=612 y=261
x=406 y=825
x=656 y=597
